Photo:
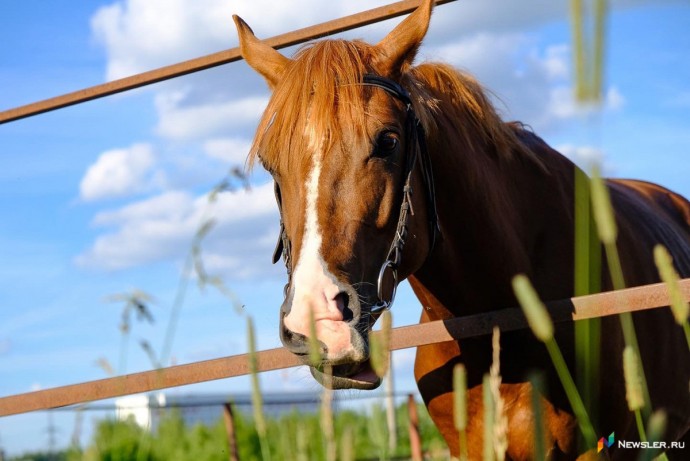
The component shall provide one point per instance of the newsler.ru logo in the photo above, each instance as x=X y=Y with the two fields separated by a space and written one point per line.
x=654 y=445
x=609 y=441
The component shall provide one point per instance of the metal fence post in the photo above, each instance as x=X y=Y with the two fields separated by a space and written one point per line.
x=415 y=439
x=233 y=454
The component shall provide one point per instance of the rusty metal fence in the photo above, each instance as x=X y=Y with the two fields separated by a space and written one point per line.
x=579 y=308
x=585 y=307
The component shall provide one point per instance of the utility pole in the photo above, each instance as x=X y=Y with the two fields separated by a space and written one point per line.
x=76 y=433
x=52 y=431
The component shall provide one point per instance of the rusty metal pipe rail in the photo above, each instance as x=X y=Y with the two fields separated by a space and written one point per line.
x=580 y=308
x=212 y=60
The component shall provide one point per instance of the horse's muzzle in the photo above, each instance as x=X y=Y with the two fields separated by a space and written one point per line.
x=339 y=367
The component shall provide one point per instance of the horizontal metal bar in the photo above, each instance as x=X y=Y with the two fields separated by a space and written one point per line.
x=609 y=303
x=212 y=60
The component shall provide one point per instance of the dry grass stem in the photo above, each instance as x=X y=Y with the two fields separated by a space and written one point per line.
x=500 y=421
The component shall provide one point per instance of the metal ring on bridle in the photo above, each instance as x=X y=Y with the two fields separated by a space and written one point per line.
x=384 y=304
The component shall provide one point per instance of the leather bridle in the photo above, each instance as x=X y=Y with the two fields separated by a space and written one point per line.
x=416 y=143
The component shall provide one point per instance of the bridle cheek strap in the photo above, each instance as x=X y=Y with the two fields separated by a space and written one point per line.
x=283 y=247
x=416 y=148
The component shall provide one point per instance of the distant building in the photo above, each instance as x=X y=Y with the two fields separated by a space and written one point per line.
x=148 y=409
x=140 y=408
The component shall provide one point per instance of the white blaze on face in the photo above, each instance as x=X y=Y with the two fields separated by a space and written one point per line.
x=314 y=286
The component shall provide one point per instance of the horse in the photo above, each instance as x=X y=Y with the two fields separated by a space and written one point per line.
x=386 y=171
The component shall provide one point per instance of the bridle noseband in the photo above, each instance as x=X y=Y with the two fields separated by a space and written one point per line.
x=416 y=142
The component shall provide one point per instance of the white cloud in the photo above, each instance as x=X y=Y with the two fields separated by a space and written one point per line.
x=487 y=38
x=181 y=120
x=162 y=228
x=211 y=116
x=172 y=205
x=582 y=155
x=586 y=157
x=555 y=62
x=520 y=77
x=530 y=85
x=139 y=35
x=143 y=34
x=564 y=106
x=119 y=173
x=230 y=150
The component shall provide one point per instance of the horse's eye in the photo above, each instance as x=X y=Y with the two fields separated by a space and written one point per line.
x=386 y=144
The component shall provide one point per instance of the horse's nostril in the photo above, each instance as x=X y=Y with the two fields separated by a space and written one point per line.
x=342 y=299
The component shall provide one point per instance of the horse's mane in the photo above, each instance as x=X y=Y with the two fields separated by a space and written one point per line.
x=477 y=119
x=321 y=96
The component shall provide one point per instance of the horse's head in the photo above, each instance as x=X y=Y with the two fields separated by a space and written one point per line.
x=340 y=141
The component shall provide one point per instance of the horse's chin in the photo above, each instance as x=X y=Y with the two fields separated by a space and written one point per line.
x=349 y=376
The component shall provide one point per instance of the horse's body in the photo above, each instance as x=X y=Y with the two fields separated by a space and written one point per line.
x=504 y=201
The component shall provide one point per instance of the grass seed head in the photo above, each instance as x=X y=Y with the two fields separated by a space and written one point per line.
x=535 y=311
x=669 y=276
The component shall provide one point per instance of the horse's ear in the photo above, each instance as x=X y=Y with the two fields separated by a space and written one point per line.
x=260 y=57
x=398 y=49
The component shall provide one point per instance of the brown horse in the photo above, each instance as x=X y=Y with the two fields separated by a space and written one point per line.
x=386 y=171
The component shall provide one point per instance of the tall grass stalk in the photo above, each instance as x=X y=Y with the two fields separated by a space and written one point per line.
x=379 y=431
x=347 y=444
x=460 y=407
x=576 y=15
x=500 y=437
x=489 y=419
x=542 y=326
x=379 y=345
x=600 y=15
x=313 y=341
x=588 y=44
x=285 y=444
x=257 y=400
x=326 y=415
x=302 y=442
x=633 y=387
x=668 y=274
x=124 y=347
x=193 y=262
x=380 y=357
x=587 y=281
x=537 y=384
x=135 y=301
x=656 y=427
x=180 y=295
x=608 y=233
x=588 y=50
x=390 y=406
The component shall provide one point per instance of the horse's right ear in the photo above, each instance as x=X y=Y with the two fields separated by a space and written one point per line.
x=260 y=57
x=398 y=49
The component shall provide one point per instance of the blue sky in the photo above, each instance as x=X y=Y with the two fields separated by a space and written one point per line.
x=105 y=197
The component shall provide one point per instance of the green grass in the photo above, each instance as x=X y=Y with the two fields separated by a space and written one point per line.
x=291 y=437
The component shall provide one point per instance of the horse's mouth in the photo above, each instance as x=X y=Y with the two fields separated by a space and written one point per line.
x=348 y=376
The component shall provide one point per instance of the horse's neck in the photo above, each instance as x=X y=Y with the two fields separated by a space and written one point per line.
x=498 y=218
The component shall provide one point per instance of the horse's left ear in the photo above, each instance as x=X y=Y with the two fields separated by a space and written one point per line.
x=398 y=49
x=260 y=57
